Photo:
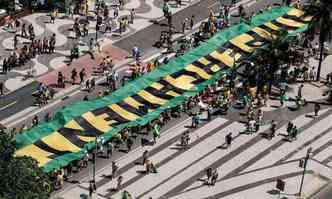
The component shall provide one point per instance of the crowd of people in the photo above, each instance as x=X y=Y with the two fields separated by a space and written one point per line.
x=20 y=56
x=217 y=99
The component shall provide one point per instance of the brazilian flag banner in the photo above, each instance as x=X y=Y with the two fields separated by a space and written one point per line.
x=73 y=130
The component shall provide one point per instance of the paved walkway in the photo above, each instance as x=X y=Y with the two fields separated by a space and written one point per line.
x=247 y=169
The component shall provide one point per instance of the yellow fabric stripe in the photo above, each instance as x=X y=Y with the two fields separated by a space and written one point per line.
x=132 y=102
x=204 y=61
x=35 y=152
x=97 y=122
x=172 y=93
x=215 y=68
x=272 y=26
x=197 y=70
x=59 y=142
x=123 y=113
x=241 y=40
x=86 y=138
x=307 y=18
x=263 y=33
x=224 y=57
x=289 y=22
x=157 y=86
x=151 y=98
x=182 y=82
x=72 y=124
x=237 y=56
x=295 y=12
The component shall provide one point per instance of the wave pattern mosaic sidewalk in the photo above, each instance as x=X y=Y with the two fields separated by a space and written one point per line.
x=57 y=143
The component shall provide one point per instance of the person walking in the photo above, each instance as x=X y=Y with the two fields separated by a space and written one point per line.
x=260 y=116
x=214 y=177
x=156 y=132
x=35 y=120
x=110 y=148
x=91 y=44
x=129 y=143
x=208 y=175
x=132 y=15
x=115 y=12
x=2 y=88
x=294 y=133
x=289 y=128
x=93 y=83
x=4 y=66
x=282 y=97
x=192 y=19
x=73 y=76
x=272 y=129
x=316 y=109
x=15 y=40
x=312 y=74
x=299 y=92
x=82 y=75
x=52 y=16
x=184 y=25
x=61 y=81
x=145 y=156
x=91 y=189
x=119 y=183
x=23 y=31
x=228 y=139
x=114 y=169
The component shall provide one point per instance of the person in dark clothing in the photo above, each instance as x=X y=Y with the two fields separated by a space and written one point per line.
x=73 y=76
x=114 y=169
x=4 y=66
x=82 y=74
x=316 y=109
x=228 y=139
x=272 y=129
x=86 y=98
x=214 y=177
x=145 y=156
x=208 y=175
x=294 y=133
x=23 y=31
x=35 y=120
x=1 y=88
x=60 y=80
x=289 y=128
x=129 y=143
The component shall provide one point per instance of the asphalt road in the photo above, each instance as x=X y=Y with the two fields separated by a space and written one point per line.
x=17 y=100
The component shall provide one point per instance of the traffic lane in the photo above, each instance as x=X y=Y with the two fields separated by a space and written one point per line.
x=59 y=104
x=17 y=100
x=145 y=38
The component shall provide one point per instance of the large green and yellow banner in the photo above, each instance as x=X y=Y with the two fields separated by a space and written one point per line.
x=74 y=128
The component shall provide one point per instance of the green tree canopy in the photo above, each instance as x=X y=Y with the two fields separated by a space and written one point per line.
x=20 y=176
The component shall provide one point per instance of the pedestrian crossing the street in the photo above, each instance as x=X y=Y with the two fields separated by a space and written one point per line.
x=248 y=168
